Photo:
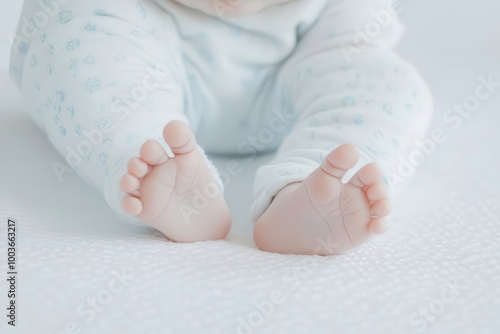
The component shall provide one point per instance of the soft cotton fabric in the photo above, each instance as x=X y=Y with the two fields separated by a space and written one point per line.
x=303 y=77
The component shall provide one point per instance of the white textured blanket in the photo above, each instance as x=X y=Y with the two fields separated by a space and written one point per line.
x=80 y=270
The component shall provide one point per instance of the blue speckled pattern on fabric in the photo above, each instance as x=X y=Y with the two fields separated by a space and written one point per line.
x=103 y=77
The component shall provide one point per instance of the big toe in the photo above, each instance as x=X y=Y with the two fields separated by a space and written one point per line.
x=324 y=183
x=340 y=160
x=179 y=137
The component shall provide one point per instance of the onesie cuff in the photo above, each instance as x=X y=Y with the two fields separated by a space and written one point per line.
x=213 y=170
x=276 y=177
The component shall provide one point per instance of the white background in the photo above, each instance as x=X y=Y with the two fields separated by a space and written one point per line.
x=446 y=224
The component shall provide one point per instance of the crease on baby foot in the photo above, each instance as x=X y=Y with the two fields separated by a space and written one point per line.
x=342 y=214
x=183 y=197
x=166 y=204
x=324 y=218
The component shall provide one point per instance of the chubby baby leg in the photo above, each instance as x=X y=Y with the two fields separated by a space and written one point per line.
x=352 y=101
x=113 y=71
x=302 y=203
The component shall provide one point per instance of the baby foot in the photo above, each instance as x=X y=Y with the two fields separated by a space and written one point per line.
x=178 y=195
x=321 y=215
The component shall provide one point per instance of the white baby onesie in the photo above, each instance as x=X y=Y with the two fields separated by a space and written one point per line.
x=102 y=77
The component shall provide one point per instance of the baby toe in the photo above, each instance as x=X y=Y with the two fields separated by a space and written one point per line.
x=376 y=192
x=138 y=167
x=179 y=137
x=153 y=153
x=366 y=176
x=340 y=160
x=378 y=225
x=129 y=183
x=381 y=208
x=131 y=205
